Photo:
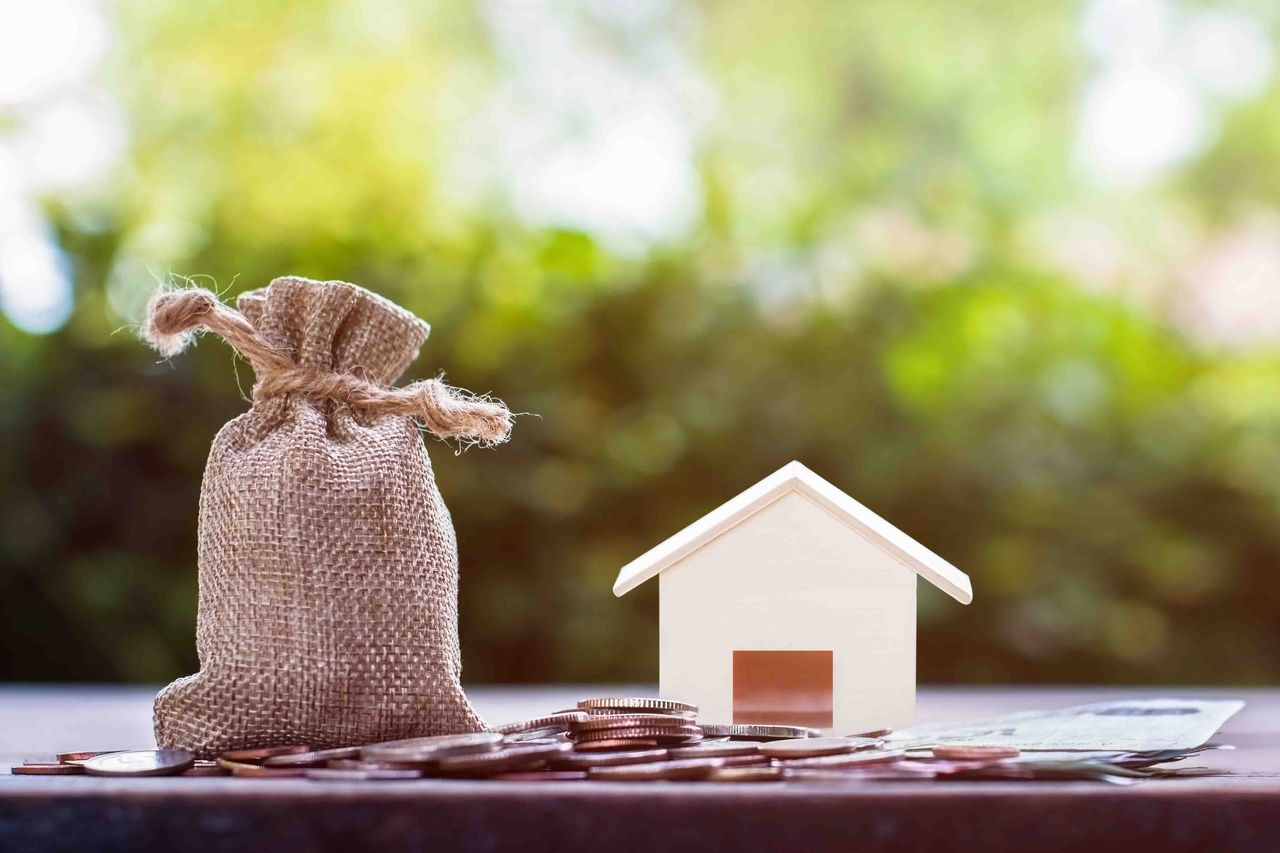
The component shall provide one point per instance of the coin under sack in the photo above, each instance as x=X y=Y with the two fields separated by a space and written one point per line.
x=327 y=560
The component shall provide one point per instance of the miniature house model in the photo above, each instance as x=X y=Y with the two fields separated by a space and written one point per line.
x=794 y=604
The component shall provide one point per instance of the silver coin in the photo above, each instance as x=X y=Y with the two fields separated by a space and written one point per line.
x=851 y=759
x=140 y=762
x=432 y=748
x=809 y=747
x=755 y=730
x=716 y=749
x=638 y=704
x=333 y=774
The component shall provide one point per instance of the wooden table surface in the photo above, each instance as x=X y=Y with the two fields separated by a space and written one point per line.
x=1222 y=813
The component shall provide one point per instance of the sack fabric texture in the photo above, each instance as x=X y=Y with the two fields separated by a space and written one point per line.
x=328 y=569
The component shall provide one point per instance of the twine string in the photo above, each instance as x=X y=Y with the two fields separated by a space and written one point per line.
x=175 y=316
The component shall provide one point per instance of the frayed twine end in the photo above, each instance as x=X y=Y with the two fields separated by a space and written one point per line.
x=452 y=413
x=175 y=315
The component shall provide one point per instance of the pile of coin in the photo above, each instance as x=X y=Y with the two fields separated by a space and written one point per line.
x=621 y=739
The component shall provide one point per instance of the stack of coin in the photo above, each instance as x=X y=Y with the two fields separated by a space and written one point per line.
x=754 y=731
x=634 y=723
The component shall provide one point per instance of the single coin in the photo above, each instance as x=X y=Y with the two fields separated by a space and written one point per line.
x=50 y=769
x=851 y=759
x=666 y=712
x=974 y=753
x=313 y=759
x=542 y=776
x=754 y=730
x=639 y=704
x=807 y=747
x=611 y=721
x=361 y=764
x=762 y=773
x=745 y=760
x=561 y=721
x=244 y=768
x=673 y=734
x=140 y=762
x=432 y=748
x=507 y=760
x=715 y=749
x=561 y=737
x=81 y=757
x=257 y=771
x=539 y=736
x=878 y=733
x=685 y=768
x=332 y=774
x=615 y=743
x=585 y=760
x=259 y=754
x=203 y=769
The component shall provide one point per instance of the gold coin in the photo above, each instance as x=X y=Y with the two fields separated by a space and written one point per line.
x=257 y=771
x=508 y=760
x=585 y=760
x=974 y=753
x=639 y=704
x=140 y=762
x=432 y=748
x=47 y=770
x=616 y=743
x=81 y=757
x=762 y=773
x=744 y=760
x=561 y=721
x=305 y=759
x=260 y=754
x=685 y=768
x=681 y=734
x=611 y=721
x=333 y=774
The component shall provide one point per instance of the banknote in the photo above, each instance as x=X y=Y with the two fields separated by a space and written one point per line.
x=1132 y=725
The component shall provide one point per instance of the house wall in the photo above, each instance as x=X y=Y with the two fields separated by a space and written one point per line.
x=792 y=576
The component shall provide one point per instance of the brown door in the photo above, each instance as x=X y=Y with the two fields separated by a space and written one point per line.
x=783 y=687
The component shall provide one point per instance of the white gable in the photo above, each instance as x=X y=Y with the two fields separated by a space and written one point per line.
x=796 y=477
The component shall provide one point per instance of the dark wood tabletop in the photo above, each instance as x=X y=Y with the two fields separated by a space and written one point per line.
x=1240 y=811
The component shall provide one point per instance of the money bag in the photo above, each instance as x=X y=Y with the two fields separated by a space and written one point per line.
x=328 y=568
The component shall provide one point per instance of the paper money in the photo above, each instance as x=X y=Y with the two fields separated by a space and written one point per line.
x=1134 y=725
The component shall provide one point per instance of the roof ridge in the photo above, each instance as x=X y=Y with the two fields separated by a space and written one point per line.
x=798 y=477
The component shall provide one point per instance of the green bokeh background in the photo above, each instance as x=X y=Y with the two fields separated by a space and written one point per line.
x=864 y=288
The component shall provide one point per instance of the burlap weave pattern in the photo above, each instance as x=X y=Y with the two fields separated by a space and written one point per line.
x=328 y=568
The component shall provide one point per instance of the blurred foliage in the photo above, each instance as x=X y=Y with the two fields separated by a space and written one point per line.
x=859 y=291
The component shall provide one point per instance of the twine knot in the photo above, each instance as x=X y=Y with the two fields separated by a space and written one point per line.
x=175 y=316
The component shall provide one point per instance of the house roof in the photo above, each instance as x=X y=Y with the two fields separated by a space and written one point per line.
x=796 y=477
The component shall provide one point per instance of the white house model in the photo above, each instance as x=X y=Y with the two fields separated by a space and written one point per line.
x=793 y=604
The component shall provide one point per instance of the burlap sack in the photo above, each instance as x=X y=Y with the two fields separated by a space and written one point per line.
x=328 y=567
